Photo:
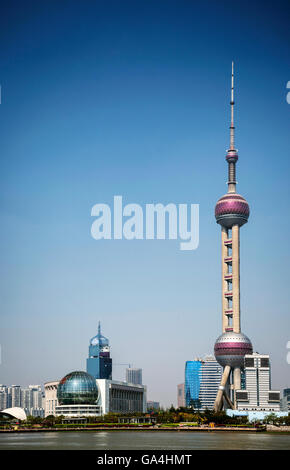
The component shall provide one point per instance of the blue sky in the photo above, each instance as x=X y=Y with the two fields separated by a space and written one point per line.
x=104 y=98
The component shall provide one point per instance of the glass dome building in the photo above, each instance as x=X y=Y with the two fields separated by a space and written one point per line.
x=77 y=388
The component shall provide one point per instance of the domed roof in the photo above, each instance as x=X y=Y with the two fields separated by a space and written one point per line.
x=77 y=388
x=99 y=339
x=232 y=209
x=230 y=348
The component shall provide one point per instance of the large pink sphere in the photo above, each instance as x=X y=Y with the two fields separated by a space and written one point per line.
x=230 y=349
x=232 y=209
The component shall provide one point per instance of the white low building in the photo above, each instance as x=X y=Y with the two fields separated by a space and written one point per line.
x=77 y=411
x=14 y=412
x=121 y=397
x=50 y=398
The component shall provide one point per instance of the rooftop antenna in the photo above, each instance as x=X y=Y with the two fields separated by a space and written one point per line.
x=232 y=102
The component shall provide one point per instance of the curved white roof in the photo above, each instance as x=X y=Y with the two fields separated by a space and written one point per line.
x=15 y=412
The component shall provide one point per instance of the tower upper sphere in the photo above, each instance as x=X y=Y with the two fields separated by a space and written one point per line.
x=232 y=209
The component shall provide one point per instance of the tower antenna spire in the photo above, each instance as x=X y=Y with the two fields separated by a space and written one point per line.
x=99 y=328
x=232 y=102
x=232 y=154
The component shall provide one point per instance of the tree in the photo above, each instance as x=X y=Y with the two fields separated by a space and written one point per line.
x=49 y=421
x=271 y=419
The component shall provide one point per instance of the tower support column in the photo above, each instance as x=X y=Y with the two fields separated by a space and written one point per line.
x=236 y=278
x=224 y=283
x=219 y=398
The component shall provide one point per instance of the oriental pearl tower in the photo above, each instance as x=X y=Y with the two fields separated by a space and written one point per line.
x=231 y=212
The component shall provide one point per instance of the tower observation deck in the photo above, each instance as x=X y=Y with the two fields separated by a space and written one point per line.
x=231 y=212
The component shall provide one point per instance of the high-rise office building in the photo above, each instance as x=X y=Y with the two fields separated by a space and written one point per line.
x=99 y=362
x=285 y=402
x=202 y=378
x=192 y=383
x=180 y=396
x=257 y=396
x=231 y=212
x=37 y=396
x=134 y=376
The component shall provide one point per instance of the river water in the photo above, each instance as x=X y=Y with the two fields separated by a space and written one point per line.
x=128 y=440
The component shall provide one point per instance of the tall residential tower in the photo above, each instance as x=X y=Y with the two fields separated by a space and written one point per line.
x=231 y=212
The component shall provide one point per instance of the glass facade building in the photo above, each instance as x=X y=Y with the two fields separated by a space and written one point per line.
x=285 y=402
x=192 y=384
x=202 y=378
x=77 y=388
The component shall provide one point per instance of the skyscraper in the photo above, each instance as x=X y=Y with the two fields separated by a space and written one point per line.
x=134 y=376
x=202 y=378
x=181 y=395
x=192 y=383
x=257 y=395
x=285 y=402
x=99 y=362
x=231 y=212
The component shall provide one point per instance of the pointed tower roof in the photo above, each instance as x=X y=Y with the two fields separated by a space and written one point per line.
x=232 y=153
x=99 y=339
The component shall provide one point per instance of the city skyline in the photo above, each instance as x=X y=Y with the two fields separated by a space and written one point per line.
x=135 y=102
